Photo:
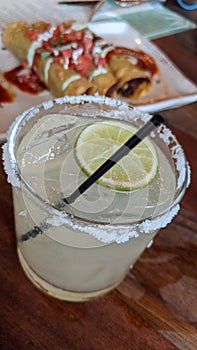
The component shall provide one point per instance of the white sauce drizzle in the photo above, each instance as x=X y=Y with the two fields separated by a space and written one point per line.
x=78 y=26
x=46 y=69
x=67 y=46
x=106 y=50
x=70 y=80
x=98 y=48
x=66 y=63
x=76 y=54
x=101 y=42
x=89 y=34
x=133 y=60
x=37 y=44
x=56 y=52
x=96 y=72
x=31 y=52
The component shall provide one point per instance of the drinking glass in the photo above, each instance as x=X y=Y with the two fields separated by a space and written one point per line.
x=82 y=250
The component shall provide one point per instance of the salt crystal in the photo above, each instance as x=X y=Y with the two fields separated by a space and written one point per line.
x=48 y=104
x=22 y=213
x=188 y=175
x=149 y=244
x=11 y=176
x=159 y=222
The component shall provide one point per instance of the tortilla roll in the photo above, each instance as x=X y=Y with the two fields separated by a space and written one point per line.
x=56 y=78
x=104 y=81
x=132 y=81
x=71 y=60
x=62 y=82
x=16 y=40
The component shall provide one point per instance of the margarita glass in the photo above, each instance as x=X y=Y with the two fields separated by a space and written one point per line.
x=84 y=249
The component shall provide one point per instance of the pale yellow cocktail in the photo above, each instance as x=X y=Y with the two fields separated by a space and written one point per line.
x=84 y=249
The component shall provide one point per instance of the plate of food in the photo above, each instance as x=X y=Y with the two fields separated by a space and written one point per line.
x=41 y=60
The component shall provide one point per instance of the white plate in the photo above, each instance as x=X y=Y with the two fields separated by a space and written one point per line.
x=173 y=91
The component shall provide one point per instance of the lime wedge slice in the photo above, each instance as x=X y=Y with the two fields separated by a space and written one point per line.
x=99 y=140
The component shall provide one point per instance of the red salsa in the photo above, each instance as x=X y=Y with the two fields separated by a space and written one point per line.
x=25 y=79
x=6 y=96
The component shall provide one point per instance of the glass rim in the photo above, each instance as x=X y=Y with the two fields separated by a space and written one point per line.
x=27 y=115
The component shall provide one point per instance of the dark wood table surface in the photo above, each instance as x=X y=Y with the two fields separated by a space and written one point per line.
x=155 y=307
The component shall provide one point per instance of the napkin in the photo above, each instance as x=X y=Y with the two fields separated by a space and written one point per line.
x=152 y=19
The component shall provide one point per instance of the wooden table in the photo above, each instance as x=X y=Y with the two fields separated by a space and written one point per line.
x=155 y=307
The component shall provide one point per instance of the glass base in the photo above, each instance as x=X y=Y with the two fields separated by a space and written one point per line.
x=59 y=293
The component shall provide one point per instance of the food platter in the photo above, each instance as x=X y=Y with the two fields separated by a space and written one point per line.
x=172 y=90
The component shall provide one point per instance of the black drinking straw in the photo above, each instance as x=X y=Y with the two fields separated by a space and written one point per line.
x=155 y=121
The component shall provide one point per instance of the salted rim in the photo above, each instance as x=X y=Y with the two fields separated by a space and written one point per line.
x=106 y=233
